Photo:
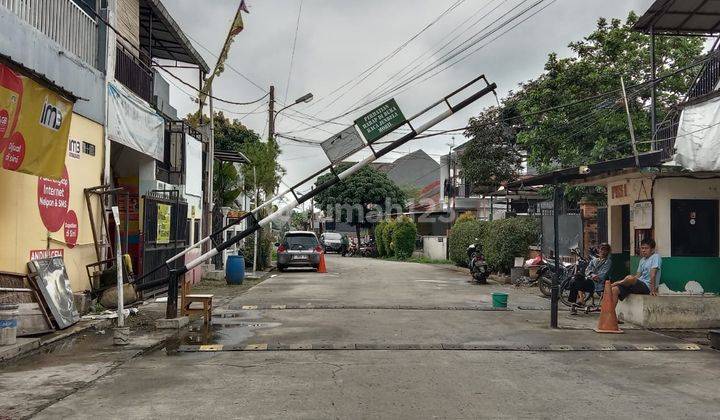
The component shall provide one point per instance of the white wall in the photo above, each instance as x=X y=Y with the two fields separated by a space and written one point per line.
x=435 y=247
x=678 y=188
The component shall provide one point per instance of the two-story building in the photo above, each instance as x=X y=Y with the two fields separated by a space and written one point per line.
x=93 y=68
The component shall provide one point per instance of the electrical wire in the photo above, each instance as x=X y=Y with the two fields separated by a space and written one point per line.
x=292 y=53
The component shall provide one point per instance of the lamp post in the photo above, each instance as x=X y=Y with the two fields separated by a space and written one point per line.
x=272 y=114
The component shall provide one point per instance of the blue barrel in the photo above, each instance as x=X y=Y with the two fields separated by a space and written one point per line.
x=235 y=269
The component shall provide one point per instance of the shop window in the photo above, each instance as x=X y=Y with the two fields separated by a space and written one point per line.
x=694 y=228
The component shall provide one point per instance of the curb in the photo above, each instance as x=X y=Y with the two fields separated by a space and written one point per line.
x=27 y=346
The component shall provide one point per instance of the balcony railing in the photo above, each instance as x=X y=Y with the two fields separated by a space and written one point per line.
x=666 y=135
x=63 y=22
x=707 y=81
x=134 y=74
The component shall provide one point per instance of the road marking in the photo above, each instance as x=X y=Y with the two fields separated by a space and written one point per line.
x=324 y=346
x=249 y=307
x=211 y=347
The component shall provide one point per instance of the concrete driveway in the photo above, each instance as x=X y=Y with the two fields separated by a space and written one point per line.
x=399 y=340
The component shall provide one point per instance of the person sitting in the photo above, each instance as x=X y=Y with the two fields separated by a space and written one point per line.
x=647 y=278
x=593 y=281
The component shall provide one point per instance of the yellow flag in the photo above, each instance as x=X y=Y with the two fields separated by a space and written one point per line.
x=236 y=27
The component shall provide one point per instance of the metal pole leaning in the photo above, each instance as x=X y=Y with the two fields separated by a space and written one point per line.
x=490 y=87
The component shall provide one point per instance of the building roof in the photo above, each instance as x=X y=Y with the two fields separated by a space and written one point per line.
x=168 y=41
x=681 y=17
x=650 y=159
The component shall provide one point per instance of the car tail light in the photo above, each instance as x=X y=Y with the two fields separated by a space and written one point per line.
x=281 y=248
x=318 y=248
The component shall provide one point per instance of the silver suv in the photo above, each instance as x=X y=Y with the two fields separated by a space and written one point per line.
x=298 y=249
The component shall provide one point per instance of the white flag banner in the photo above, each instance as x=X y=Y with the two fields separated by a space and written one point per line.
x=193 y=166
x=696 y=145
x=132 y=122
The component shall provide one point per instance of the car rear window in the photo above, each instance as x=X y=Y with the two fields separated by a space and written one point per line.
x=333 y=235
x=300 y=241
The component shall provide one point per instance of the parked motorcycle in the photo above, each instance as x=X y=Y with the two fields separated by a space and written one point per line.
x=476 y=261
x=368 y=249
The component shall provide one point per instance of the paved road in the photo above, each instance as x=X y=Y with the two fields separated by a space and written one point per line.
x=411 y=341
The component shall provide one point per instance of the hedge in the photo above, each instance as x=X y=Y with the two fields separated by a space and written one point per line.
x=501 y=240
x=506 y=239
x=403 y=237
x=388 y=231
x=380 y=239
x=462 y=235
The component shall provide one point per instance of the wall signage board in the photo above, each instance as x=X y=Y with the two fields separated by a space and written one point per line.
x=643 y=214
x=74 y=147
x=619 y=191
x=39 y=254
x=53 y=200
x=342 y=144
x=380 y=121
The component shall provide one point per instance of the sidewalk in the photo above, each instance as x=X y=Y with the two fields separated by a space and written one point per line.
x=37 y=372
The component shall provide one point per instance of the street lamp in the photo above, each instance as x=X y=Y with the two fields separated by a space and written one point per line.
x=305 y=98
x=273 y=115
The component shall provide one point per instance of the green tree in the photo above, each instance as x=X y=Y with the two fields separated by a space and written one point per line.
x=226 y=183
x=361 y=198
x=233 y=135
x=491 y=156
x=590 y=130
x=380 y=238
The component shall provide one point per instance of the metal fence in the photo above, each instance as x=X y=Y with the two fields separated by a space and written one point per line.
x=62 y=21
x=156 y=250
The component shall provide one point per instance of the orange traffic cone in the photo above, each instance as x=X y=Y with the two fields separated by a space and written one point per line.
x=608 y=322
x=321 y=266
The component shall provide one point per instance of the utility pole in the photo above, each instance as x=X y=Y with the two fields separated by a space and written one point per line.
x=271 y=114
x=630 y=123
x=257 y=202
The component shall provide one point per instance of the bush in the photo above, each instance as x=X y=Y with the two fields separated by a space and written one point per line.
x=506 y=239
x=388 y=231
x=462 y=235
x=403 y=237
x=466 y=217
x=379 y=239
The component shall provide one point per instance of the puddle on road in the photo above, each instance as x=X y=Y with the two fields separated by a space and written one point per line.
x=227 y=328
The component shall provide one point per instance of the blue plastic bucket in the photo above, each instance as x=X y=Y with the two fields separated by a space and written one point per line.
x=499 y=300
x=235 y=269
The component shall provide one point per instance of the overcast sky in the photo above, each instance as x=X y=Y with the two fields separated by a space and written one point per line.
x=338 y=39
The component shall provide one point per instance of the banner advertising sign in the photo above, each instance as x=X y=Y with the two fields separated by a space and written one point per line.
x=34 y=126
x=193 y=166
x=134 y=123
x=380 y=121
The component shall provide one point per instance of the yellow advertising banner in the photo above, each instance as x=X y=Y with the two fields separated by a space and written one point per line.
x=34 y=126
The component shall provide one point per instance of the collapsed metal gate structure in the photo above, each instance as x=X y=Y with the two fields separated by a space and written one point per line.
x=418 y=123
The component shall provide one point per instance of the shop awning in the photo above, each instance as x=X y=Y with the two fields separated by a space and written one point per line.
x=649 y=159
x=681 y=17
x=168 y=41
x=231 y=156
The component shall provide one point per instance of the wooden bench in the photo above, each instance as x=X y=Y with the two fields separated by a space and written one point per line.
x=187 y=299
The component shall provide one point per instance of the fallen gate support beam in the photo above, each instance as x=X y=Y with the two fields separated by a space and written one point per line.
x=175 y=274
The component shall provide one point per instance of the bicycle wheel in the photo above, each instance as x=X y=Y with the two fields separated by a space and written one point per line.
x=564 y=293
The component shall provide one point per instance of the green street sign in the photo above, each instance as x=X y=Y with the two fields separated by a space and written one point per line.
x=380 y=121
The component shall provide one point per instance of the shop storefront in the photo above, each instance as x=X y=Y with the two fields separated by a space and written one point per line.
x=50 y=155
